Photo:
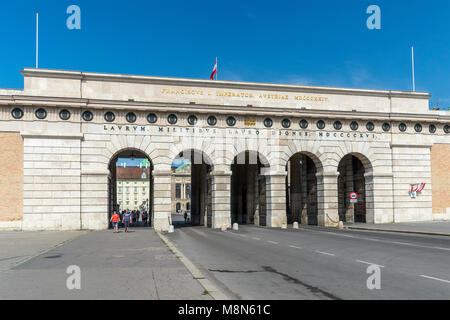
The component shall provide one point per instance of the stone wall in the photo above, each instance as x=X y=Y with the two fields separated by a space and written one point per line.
x=440 y=177
x=11 y=178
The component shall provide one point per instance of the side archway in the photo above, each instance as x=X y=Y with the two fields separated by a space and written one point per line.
x=131 y=188
x=355 y=175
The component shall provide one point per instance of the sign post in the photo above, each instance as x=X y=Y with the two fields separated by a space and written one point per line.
x=353 y=197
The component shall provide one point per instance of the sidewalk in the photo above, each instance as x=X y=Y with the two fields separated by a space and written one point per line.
x=438 y=228
x=123 y=266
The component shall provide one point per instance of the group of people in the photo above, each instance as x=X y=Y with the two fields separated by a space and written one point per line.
x=129 y=219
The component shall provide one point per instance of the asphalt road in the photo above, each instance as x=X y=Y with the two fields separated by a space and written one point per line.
x=315 y=263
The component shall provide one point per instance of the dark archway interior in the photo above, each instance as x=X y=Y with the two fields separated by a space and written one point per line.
x=351 y=179
x=114 y=198
x=248 y=190
x=200 y=206
x=301 y=190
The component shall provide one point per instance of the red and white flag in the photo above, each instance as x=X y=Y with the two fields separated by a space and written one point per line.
x=214 y=72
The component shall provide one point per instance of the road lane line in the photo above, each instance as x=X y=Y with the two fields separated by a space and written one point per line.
x=273 y=242
x=326 y=253
x=369 y=263
x=433 y=278
x=295 y=247
x=379 y=240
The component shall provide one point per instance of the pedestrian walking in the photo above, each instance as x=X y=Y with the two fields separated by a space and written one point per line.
x=126 y=220
x=115 y=218
x=144 y=218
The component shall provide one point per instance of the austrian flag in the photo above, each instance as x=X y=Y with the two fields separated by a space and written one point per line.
x=214 y=72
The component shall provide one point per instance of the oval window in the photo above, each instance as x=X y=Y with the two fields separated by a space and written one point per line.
x=64 y=114
x=321 y=124
x=109 y=116
x=231 y=121
x=337 y=125
x=303 y=124
x=172 y=119
x=286 y=123
x=17 y=113
x=152 y=118
x=41 y=113
x=212 y=121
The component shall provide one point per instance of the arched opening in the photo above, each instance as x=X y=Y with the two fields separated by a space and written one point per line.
x=301 y=190
x=355 y=175
x=192 y=191
x=248 y=189
x=130 y=186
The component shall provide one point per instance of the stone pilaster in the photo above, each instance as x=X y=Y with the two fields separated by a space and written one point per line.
x=327 y=189
x=161 y=217
x=276 y=199
x=221 y=201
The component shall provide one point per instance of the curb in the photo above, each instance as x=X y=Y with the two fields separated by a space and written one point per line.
x=401 y=231
x=213 y=291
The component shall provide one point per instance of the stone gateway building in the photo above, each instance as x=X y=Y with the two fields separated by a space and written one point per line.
x=265 y=154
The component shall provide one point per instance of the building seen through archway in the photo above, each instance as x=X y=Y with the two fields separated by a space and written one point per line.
x=191 y=189
x=131 y=186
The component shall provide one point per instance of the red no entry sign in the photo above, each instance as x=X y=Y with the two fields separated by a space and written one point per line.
x=353 y=196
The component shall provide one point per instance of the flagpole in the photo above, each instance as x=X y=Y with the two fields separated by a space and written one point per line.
x=37 y=40
x=413 y=76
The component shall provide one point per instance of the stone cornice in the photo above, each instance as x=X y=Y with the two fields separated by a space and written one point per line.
x=410 y=145
x=22 y=100
x=77 y=75
x=78 y=136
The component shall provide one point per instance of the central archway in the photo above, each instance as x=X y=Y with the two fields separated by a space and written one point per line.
x=248 y=189
x=192 y=189
x=302 y=203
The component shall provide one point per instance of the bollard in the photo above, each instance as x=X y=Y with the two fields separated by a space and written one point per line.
x=235 y=226
x=295 y=225
x=284 y=226
x=171 y=229
x=341 y=225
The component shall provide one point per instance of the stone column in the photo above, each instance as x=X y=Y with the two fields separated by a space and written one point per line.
x=161 y=217
x=304 y=199
x=276 y=198
x=349 y=181
x=221 y=198
x=327 y=193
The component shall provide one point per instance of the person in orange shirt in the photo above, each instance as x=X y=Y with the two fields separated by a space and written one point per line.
x=115 y=221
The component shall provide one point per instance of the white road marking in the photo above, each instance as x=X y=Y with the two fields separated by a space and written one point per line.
x=369 y=263
x=326 y=253
x=295 y=247
x=256 y=238
x=243 y=235
x=379 y=240
x=433 y=278
x=273 y=242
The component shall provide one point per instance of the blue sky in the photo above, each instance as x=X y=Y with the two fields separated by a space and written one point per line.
x=309 y=42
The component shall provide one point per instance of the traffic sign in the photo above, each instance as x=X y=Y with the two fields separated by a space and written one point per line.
x=353 y=195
